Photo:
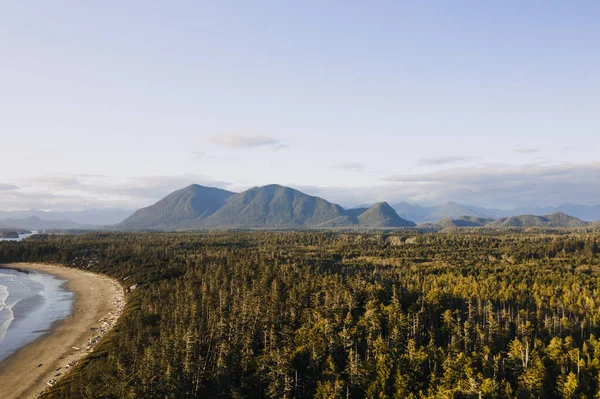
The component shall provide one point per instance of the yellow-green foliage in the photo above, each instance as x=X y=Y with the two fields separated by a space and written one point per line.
x=301 y=315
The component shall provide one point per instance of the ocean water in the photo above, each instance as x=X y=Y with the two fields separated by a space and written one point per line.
x=30 y=303
x=22 y=236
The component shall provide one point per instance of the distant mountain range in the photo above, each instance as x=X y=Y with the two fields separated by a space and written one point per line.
x=35 y=223
x=433 y=214
x=88 y=217
x=464 y=221
x=557 y=219
x=269 y=207
x=277 y=207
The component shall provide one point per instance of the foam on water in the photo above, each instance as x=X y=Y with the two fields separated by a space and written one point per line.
x=30 y=302
x=6 y=314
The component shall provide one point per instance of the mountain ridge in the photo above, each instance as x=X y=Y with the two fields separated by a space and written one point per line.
x=453 y=210
x=185 y=206
x=268 y=207
x=557 y=219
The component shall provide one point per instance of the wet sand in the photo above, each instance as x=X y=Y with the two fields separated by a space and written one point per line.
x=27 y=372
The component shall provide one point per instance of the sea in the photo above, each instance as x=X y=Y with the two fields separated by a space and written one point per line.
x=30 y=303
x=21 y=237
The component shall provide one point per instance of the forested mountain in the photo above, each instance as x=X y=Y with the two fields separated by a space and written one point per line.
x=268 y=207
x=382 y=215
x=295 y=315
x=464 y=221
x=554 y=220
x=278 y=207
x=588 y=213
x=433 y=214
x=521 y=221
x=449 y=210
x=273 y=206
x=185 y=208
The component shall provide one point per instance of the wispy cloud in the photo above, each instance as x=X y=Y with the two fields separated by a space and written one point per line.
x=58 y=181
x=63 y=192
x=524 y=185
x=500 y=186
x=7 y=187
x=497 y=185
x=239 y=141
x=355 y=166
x=444 y=160
x=526 y=151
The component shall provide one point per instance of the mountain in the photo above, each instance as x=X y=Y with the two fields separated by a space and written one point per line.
x=269 y=207
x=35 y=223
x=454 y=210
x=184 y=208
x=464 y=221
x=433 y=214
x=273 y=206
x=381 y=215
x=558 y=219
x=414 y=212
x=588 y=213
x=94 y=216
x=356 y=212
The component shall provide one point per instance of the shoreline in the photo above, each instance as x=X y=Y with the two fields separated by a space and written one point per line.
x=98 y=302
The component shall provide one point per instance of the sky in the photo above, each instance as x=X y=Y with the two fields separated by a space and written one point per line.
x=115 y=104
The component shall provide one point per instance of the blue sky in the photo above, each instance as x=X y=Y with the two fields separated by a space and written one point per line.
x=492 y=103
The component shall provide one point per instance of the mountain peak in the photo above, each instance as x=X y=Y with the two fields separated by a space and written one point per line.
x=382 y=215
x=176 y=210
x=557 y=219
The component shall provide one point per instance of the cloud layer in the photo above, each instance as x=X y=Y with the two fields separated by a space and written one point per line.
x=444 y=160
x=525 y=185
x=525 y=151
x=238 y=141
x=502 y=186
x=7 y=187
x=66 y=192
x=356 y=166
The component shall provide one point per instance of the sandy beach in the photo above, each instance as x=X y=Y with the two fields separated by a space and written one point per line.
x=27 y=372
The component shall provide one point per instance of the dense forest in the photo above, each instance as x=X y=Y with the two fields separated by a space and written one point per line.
x=331 y=315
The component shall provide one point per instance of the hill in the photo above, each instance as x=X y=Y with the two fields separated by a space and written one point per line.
x=558 y=219
x=464 y=221
x=4 y=229
x=183 y=208
x=381 y=215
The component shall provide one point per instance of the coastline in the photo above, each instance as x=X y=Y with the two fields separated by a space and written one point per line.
x=98 y=301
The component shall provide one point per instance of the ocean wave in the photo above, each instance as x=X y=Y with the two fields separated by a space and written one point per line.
x=6 y=318
x=6 y=310
x=3 y=296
